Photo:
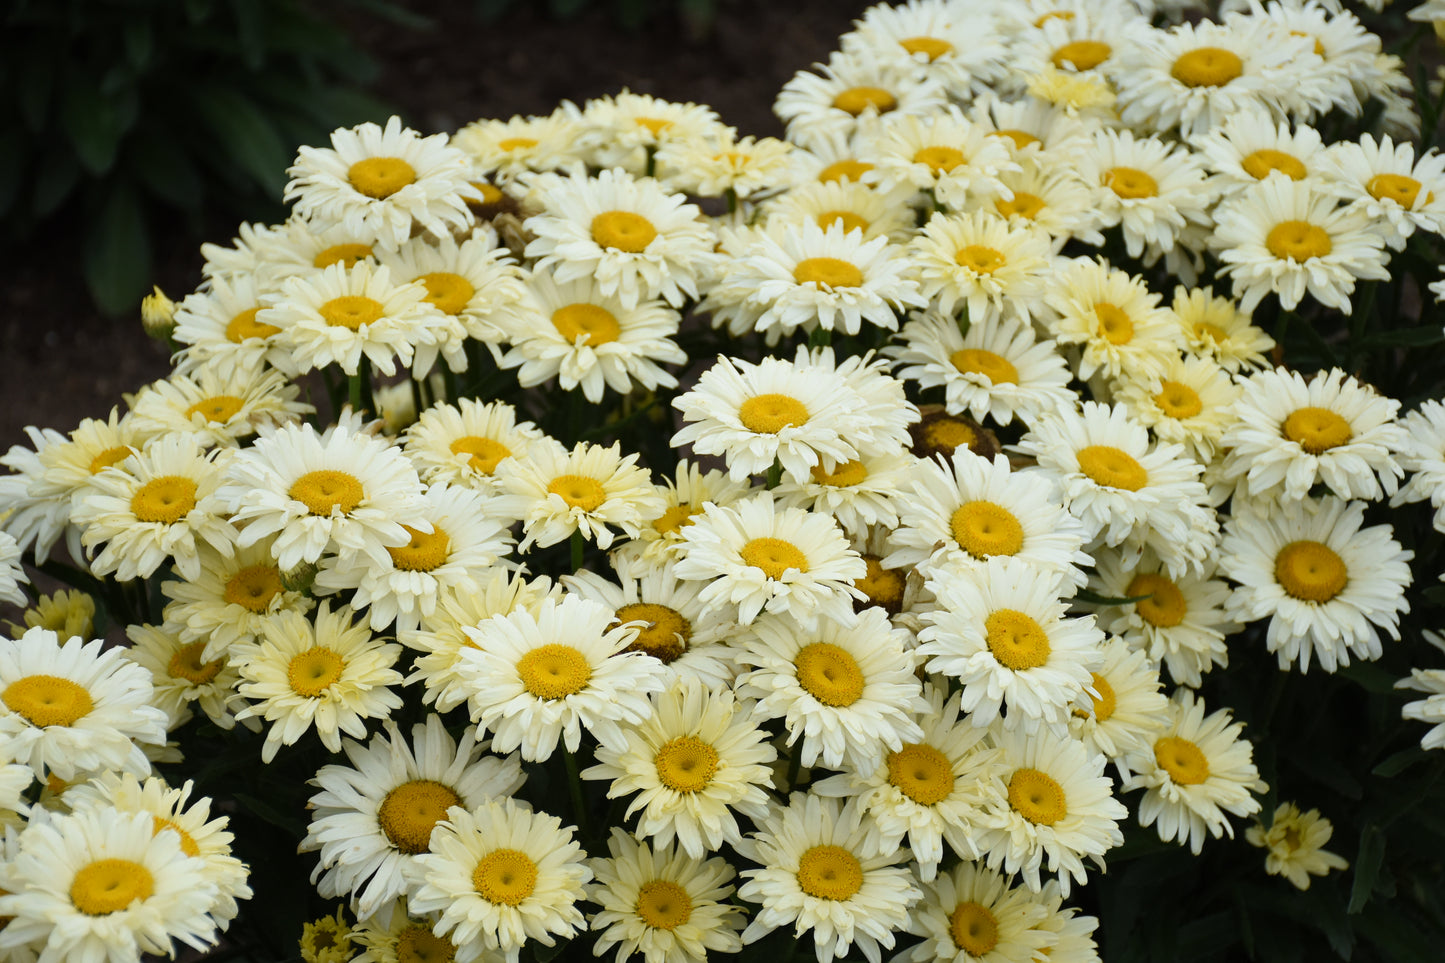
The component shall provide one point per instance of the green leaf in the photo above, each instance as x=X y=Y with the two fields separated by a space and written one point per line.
x=139 y=42
x=1094 y=598
x=270 y=813
x=162 y=168
x=245 y=135
x=1367 y=867
x=92 y=123
x=55 y=177
x=1417 y=337
x=562 y=9
x=492 y=9
x=1370 y=677
x=250 y=32
x=117 y=252
x=1399 y=762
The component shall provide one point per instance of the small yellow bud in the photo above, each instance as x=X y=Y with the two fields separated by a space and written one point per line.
x=158 y=314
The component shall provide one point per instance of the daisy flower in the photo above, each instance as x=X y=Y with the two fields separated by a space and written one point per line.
x=219 y=326
x=330 y=673
x=695 y=761
x=12 y=575
x=1051 y=198
x=1199 y=768
x=1395 y=191
x=856 y=494
x=622 y=130
x=1122 y=707
x=507 y=148
x=756 y=555
x=584 y=338
x=1431 y=709
x=158 y=504
x=66 y=612
x=993 y=268
x=37 y=515
x=181 y=675
x=462 y=444
x=556 y=492
x=1059 y=806
x=1072 y=932
x=341 y=491
x=1289 y=237
x=948 y=43
x=929 y=791
x=973 y=915
x=939 y=434
x=1153 y=190
x=743 y=168
x=850 y=204
x=1326 y=583
x=501 y=875
x=1292 y=433
x=326 y=939
x=538 y=678
x=377 y=182
x=1190 y=404
x=668 y=907
x=844 y=693
x=816 y=874
x=1215 y=328
x=1114 y=318
x=684 y=496
x=219 y=402
x=1252 y=144
x=405 y=939
x=1296 y=843
x=75 y=707
x=374 y=817
x=1337 y=67
x=851 y=91
x=633 y=239
x=1422 y=455
x=942 y=153
x=1085 y=97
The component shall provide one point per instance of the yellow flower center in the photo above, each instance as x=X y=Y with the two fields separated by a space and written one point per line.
x=324 y=492
x=578 y=491
x=775 y=556
x=828 y=272
x=1297 y=240
x=380 y=177
x=845 y=475
x=554 y=671
x=1112 y=468
x=409 y=812
x=1131 y=183
x=418 y=944
x=1259 y=164
x=449 y=293
x=849 y=220
x=1024 y=204
x=974 y=928
x=244 y=326
x=1021 y=139
x=1396 y=187
x=111 y=456
x=253 y=587
x=978 y=258
x=844 y=170
x=829 y=872
x=1178 y=400
x=1082 y=54
x=770 y=413
x=484 y=453
x=1106 y=701
x=186 y=664
x=1054 y=15
x=1310 y=571
x=921 y=772
x=855 y=100
x=1016 y=640
x=505 y=877
x=593 y=324
x=983 y=529
x=312 y=672
x=1165 y=607
x=351 y=311
x=164 y=500
x=1207 y=67
x=939 y=159
x=933 y=47
x=663 y=904
x=995 y=367
x=1114 y=324
x=653 y=125
x=883 y=586
x=424 y=552
x=108 y=885
x=160 y=824
x=1037 y=797
x=673 y=520
x=948 y=435
x=491 y=195
x=829 y=674
x=623 y=231
x=686 y=764
x=218 y=408
x=664 y=634
x=1316 y=430
x=516 y=143
x=347 y=254
x=1182 y=759
x=47 y=700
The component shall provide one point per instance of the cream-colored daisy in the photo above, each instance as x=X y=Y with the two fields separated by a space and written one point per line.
x=405 y=939
x=1153 y=190
x=1086 y=97
x=973 y=915
x=1122 y=708
x=852 y=204
x=298 y=248
x=73 y=707
x=462 y=444
x=1292 y=433
x=331 y=674
x=507 y=148
x=218 y=326
x=326 y=939
x=33 y=513
x=1422 y=455
x=816 y=874
x=1326 y=583
x=844 y=694
x=1114 y=318
x=625 y=130
x=1431 y=709
x=756 y=555
x=159 y=504
x=683 y=497
x=219 y=402
x=669 y=907
x=698 y=759
x=501 y=875
x=954 y=44
x=12 y=575
x=1291 y=238
x=1072 y=932
x=1338 y=65
x=181 y=675
x=1296 y=843
x=851 y=91
x=633 y=239
x=375 y=816
x=992 y=267
x=1059 y=806
x=1253 y=144
x=883 y=414
x=379 y=182
x=537 y=677
x=556 y=492
x=1191 y=404
x=341 y=490
x=856 y=494
x=941 y=153
x=1215 y=328
x=1198 y=768
x=66 y=612
x=67 y=467
x=1398 y=193
x=726 y=166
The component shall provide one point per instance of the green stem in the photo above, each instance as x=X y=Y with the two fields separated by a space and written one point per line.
x=820 y=337
x=651 y=162
x=795 y=764
x=732 y=197
x=417 y=404
x=574 y=786
x=775 y=474
x=578 y=543
x=449 y=384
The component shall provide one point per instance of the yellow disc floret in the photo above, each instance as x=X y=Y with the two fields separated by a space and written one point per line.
x=164 y=500
x=312 y=672
x=1165 y=606
x=505 y=877
x=326 y=491
x=623 y=231
x=595 y=325
x=1316 y=430
x=578 y=491
x=109 y=885
x=1310 y=571
x=48 y=700
x=829 y=674
x=855 y=100
x=253 y=587
x=686 y=764
x=1207 y=67
x=974 y=929
x=775 y=556
x=1297 y=241
x=1016 y=640
x=984 y=529
x=665 y=633
x=829 y=872
x=554 y=671
x=409 y=812
x=380 y=177
x=484 y=454
x=1182 y=759
x=922 y=773
x=1037 y=797
x=423 y=552
x=186 y=664
x=663 y=904
x=769 y=414
x=1112 y=467
x=828 y=272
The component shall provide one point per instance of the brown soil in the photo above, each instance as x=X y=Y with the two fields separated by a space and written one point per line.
x=66 y=362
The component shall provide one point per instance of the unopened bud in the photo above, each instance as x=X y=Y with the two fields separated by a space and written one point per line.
x=158 y=315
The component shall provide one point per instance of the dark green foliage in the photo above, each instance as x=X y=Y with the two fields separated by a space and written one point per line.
x=697 y=16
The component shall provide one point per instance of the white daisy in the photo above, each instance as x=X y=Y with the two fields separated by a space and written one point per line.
x=181 y=675
x=1215 y=328
x=510 y=147
x=1422 y=455
x=1252 y=144
x=1296 y=843
x=952 y=44
x=993 y=267
x=850 y=204
x=627 y=129
x=740 y=168
x=220 y=405
x=556 y=492
x=974 y=915
x=462 y=444
x=1053 y=198
x=684 y=497
x=1431 y=709
x=1114 y=318
x=1122 y=708
x=851 y=91
x=942 y=153
x=1153 y=190
x=1190 y=404
x=219 y=325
